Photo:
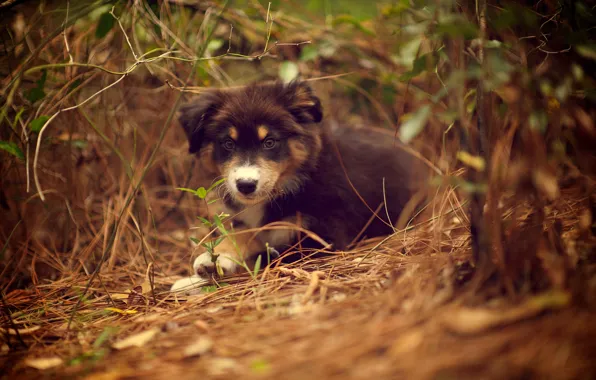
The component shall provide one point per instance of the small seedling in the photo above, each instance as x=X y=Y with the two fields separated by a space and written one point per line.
x=217 y=223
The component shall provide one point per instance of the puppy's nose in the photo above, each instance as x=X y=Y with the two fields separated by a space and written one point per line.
x=246 y=186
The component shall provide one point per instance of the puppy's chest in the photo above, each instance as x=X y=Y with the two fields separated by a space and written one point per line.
x=250 y=217
x=257 y=216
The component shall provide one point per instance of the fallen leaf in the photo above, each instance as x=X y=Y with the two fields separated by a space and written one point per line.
x=137 y=340
x=214 y=309
x=120 y=311
x=202 y=325
x=406 y=342
x=260 y=366
x=475 y=162
x=43 y=363
x=473 y=321
x=25 y=331
x=200 y=347
x=219 y=366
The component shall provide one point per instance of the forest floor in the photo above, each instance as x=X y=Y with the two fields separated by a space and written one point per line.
x=374 y=312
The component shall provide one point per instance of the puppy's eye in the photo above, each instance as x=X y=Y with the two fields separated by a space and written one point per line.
x=229 y=144
x=269 y=143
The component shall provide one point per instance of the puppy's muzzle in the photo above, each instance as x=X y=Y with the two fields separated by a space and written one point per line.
x=246 y=186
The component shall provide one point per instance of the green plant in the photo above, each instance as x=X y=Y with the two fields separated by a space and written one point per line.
x=217 y=222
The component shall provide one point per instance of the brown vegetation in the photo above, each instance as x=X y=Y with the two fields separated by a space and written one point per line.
x=496 y=279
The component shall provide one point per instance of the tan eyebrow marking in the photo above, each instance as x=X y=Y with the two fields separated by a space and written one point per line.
x=262 y=132
x=233 y=132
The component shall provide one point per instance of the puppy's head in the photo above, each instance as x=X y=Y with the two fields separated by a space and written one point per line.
x=262 y=138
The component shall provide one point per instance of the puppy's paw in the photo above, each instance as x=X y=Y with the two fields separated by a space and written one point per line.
x=205 y=267
x=189 y=285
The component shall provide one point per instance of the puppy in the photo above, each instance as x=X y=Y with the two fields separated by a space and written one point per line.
x=280 y=164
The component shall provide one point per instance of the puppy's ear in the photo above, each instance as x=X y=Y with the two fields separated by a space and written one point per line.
x=197 y=114
x=302 y=103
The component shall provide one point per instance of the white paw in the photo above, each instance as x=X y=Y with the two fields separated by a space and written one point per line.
x=204 y=266
x=189 y=285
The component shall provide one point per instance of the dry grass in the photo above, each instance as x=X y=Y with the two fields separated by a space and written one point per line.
x=90 y=265
x=403 y=310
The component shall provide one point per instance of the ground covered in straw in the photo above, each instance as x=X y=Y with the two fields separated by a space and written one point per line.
x=391 y=310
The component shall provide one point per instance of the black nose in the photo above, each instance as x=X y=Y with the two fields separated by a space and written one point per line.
x=246 y=186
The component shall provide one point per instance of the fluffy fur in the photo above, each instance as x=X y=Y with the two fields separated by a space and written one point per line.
x=281 y=165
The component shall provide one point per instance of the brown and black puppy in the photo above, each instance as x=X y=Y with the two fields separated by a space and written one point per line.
x=281 y=165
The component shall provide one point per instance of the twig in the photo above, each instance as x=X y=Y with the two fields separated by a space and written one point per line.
x=125 y=35
x=70 y=60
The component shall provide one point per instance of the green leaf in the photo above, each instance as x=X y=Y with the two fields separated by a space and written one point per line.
x=12 y=148
x=457 y=28
x=206 y=222
x=538 y=121
x=18 y=116
x=219 y=269
x=288 y=71
x=327 y=48
x=468 y=187
x=74 y=85
x=423 y=63
x=42 y=81
x=257 y=266
x=214 y=44
x=201 y=192
x=38 y=123
x=209 y=289
x=219 y=224
x=213 y=288
x=187 y=190
x=194 y=240
x=80 y=144
x=214 y=185
x=347 y=19
x=218 y=241
x=475 y=162
x=587 y=51
x=308 y=53
x=37 y=93
x=260 y=366
x=104 y=336
x=208 y=246
x=414 y=125
x=104 y=25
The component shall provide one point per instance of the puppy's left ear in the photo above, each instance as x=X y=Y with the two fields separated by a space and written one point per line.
x=302 y=103
x=195 y=116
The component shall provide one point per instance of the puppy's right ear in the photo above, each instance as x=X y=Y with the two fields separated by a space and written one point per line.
x=195 y=116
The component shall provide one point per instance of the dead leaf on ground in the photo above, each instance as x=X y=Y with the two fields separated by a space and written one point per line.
x=473 y=321
x=200 y=347
x=221 y=366
x=407 y=342
x=137 y=340
x=120 y=311
x=202 y=325
x=43 y=363
x=25 y=331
